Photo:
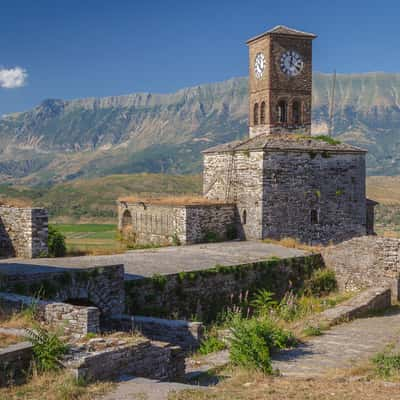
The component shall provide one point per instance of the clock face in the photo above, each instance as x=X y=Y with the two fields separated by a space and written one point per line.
x=259 y=65
x=291 y=63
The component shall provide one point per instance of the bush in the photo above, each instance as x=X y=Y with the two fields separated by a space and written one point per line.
x=322 y=282
x=211 y=344
x=263 y=302
x=254 y=339
x=56 y=243
x=48 y=349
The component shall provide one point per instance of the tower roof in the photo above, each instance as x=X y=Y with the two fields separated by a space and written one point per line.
x=289 y=142
x=283 y=30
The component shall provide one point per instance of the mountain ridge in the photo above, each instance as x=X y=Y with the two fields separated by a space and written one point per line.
x=60 y=140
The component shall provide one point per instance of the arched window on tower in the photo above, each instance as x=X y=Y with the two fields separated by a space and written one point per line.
x=255 y=114
x=282 y=112
x=262 y=113
x=296 y=112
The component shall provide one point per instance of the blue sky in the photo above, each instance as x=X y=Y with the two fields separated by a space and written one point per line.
x=74 y=49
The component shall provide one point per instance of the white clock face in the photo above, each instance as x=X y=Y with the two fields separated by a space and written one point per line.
x=291 y=63
x=259 y=65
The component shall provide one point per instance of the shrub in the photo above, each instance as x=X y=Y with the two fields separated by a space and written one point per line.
x=263 y=302
x=254 y=339
x=387 y=365
x=322 y=282
x=56 y=243
x=211 y=344
x=48 y=349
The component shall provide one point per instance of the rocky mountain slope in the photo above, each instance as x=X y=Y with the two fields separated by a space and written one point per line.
x=62 y=140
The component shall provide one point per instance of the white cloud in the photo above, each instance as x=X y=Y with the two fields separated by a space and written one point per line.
x=13 y=77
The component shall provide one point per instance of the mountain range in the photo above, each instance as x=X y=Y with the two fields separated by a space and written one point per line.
x=61 y=140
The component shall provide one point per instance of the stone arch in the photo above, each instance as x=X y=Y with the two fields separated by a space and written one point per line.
x=255 y=114
x=282 y=110
x=296 y=112
x=126 y=220
x=262 y=113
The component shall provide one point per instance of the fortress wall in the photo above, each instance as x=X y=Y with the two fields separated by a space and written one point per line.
x=367 y=261
x=237 y=177
x=23 y=232
x=165 y=224
x=316 y=197
x=206 y=293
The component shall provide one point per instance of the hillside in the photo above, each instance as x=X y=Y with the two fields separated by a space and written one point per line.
x=63 y=140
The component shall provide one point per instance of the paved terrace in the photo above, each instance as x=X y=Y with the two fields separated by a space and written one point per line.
x=167 y=260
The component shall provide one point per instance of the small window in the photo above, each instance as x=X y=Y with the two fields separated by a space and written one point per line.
x=262 y=113
x=296 y=113
x=314 y=217
x=255 y=116
x=244 y=217
x=282 y=112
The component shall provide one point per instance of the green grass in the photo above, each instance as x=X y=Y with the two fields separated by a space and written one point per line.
x=90 y=237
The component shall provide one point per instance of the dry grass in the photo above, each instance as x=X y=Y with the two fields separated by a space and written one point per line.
x=246 y=385
x=14 y=202
x=17 y=321
x=293 y=244
x=385 y=190
x=55 y=386
x=7 y=340
x=171 y=200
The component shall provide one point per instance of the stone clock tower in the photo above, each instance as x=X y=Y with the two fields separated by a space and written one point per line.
x=280 y=82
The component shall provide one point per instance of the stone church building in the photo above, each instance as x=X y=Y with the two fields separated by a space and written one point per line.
x=280 y=181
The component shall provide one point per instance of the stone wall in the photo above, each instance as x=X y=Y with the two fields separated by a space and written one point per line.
x=365 y=262
x=184 y=334
x=102 y=287
x=174 y=224
x=143 y=358
x=316 y=197
x=75 y=320
x=23 y=232
x=237 y=177
x=206 y=293
x=15 y=363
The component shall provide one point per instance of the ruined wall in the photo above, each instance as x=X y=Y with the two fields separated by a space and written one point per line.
x=173 y=224
x=156 y=360
x=365 y=262
x=315 y=197
x=15 y=363
x=102 y=287
x=184 y=334
x=23 y=232
x=206 y=293
x=73 y=319
x=237 y=178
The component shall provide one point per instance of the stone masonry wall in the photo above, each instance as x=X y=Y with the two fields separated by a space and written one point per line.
x=75 y=320
x=143 y=358
x=330 y=185
x=23 y=232
x=204 y=220
x=365 y=262
x=169 y=224
x=103 y=287
x=15 y=362
x=184 y=334
x=237 y=178
x=205 y=293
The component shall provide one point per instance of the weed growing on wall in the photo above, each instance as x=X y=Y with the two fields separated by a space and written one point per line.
x=48 y=349
x=322 y=282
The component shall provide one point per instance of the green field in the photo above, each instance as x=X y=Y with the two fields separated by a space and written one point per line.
x=91 y=238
